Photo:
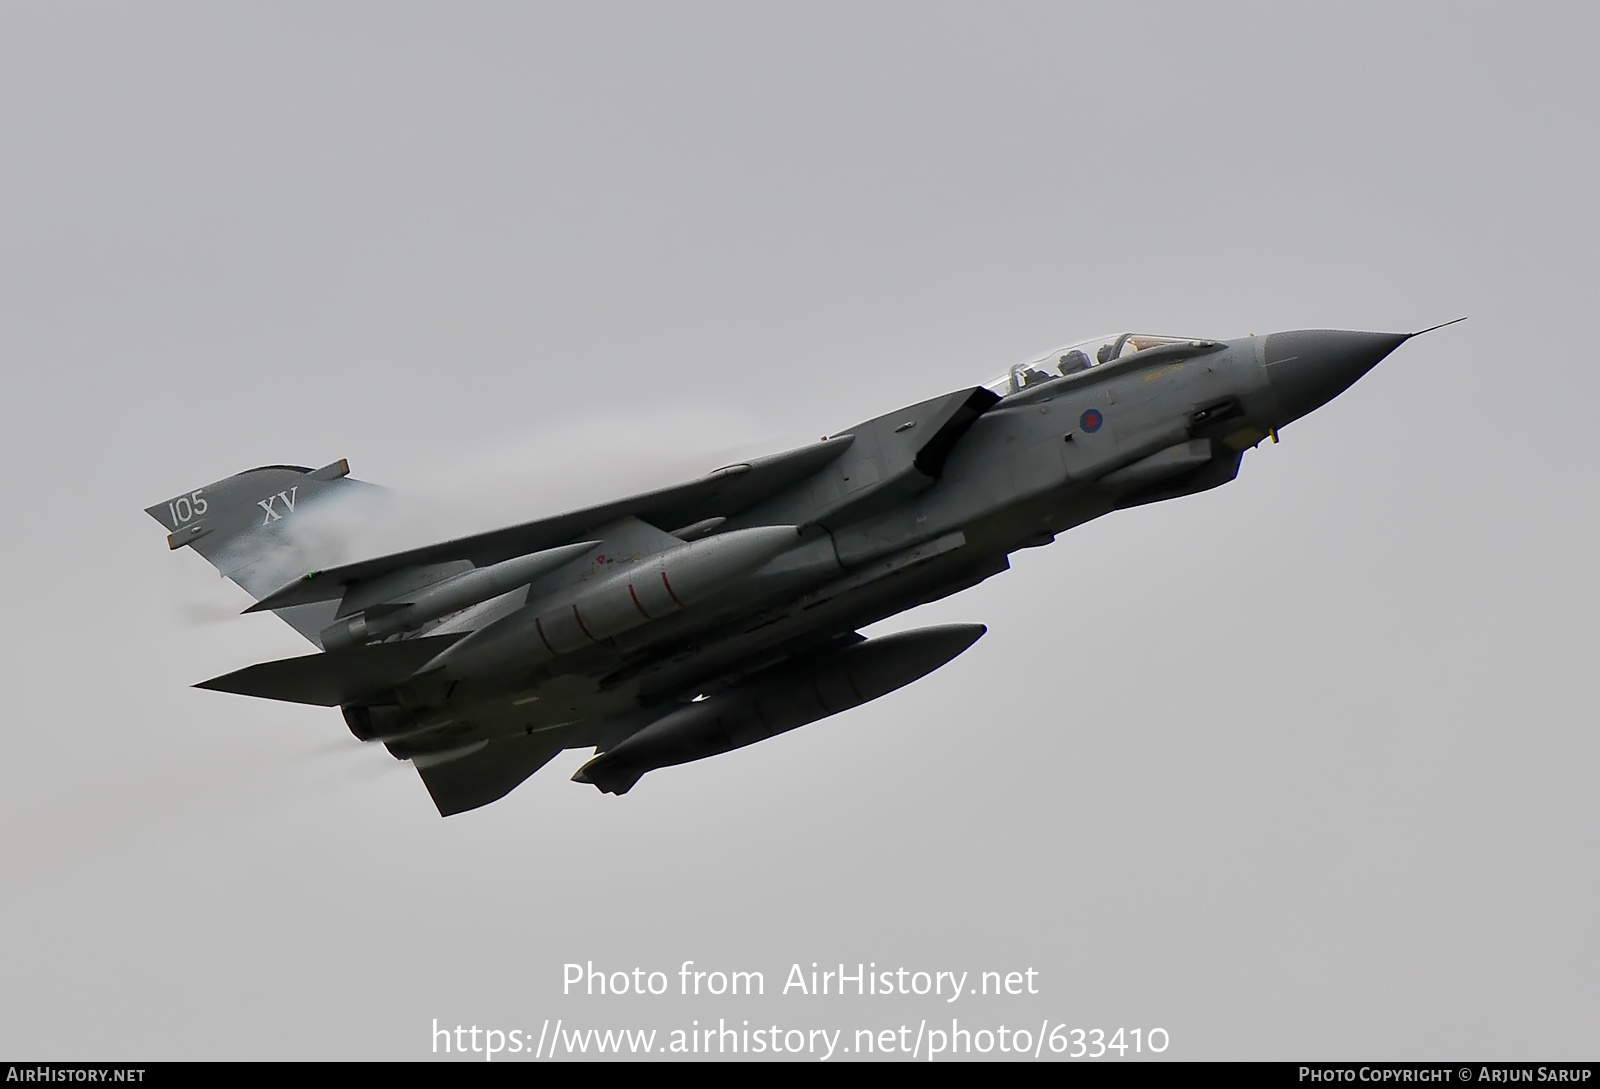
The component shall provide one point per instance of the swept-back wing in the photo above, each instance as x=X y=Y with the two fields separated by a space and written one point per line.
x=717 y=495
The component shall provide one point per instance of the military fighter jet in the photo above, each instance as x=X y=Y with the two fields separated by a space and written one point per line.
x=686 y=622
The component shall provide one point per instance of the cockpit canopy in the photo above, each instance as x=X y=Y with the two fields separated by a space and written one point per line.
x=1079 y=357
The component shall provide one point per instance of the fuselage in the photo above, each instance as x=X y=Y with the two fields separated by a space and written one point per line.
x=923 y=502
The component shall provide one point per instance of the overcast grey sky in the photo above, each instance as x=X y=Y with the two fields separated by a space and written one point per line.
x=1301 y=768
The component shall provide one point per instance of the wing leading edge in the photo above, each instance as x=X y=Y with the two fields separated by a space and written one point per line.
x=719 y=494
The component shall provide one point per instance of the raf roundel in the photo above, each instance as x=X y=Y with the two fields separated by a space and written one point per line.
x=1091 y=420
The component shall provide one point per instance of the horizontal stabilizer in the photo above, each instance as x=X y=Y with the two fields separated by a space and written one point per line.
x=487 y=773
x=336 y=676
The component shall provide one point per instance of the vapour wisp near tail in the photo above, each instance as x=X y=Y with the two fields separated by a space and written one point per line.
x=585 y=461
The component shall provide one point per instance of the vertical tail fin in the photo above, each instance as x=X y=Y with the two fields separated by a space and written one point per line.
x=245 y=527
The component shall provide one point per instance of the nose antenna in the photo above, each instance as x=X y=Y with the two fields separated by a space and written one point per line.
x=1431 y=328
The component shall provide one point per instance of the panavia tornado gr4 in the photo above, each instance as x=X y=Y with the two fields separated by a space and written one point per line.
x=684 y=623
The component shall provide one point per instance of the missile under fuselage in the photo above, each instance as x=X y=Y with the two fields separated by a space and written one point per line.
x=654 y=587
x=452 y=595
x=777 y=701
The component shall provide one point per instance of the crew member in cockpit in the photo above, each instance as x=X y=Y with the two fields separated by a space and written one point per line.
x=1073 y=362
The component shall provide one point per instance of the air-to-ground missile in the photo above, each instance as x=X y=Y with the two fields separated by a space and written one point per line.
x=654 y=587
x=777 y=701
x=452 y=595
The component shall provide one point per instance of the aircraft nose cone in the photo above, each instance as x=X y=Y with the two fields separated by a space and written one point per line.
x=1310 y=367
